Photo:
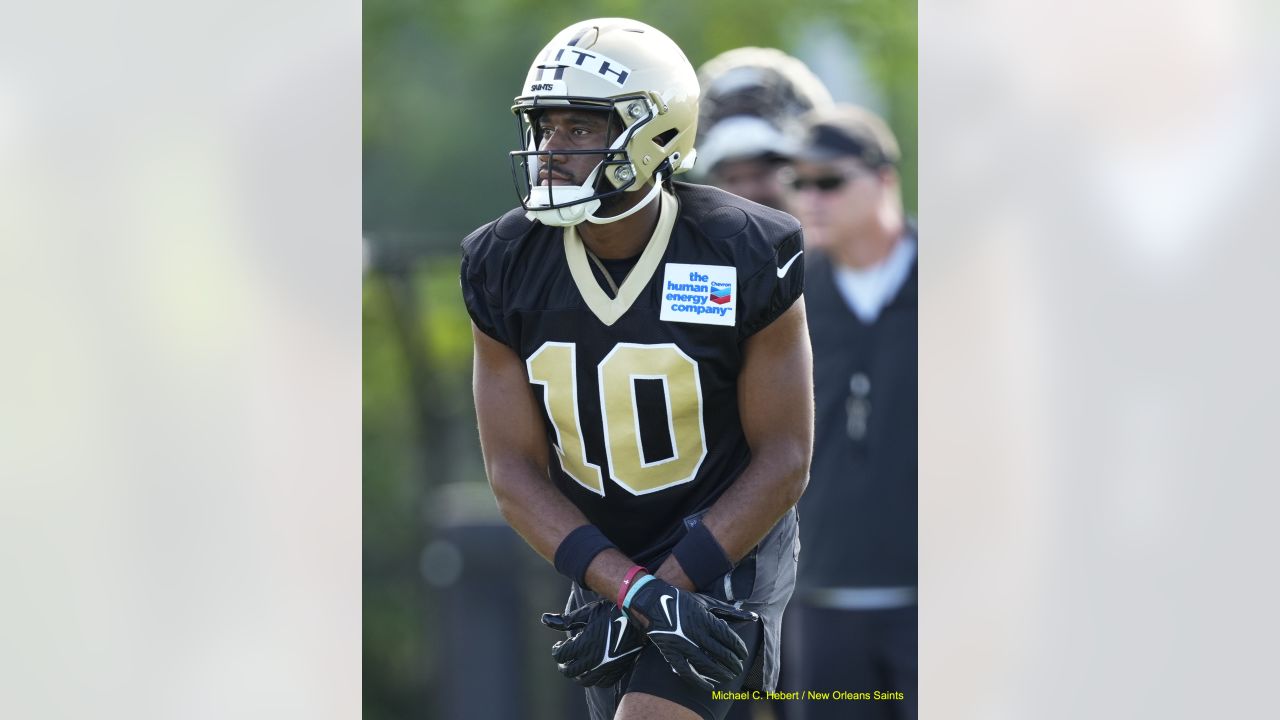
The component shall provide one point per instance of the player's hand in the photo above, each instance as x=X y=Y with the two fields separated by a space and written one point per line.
x=691 y=633
x=602 y=645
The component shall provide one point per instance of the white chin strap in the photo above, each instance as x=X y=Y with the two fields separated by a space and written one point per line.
x=574 y=214
x=653 y=193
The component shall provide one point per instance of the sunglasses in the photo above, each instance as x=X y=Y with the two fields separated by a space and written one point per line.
x=825 y=183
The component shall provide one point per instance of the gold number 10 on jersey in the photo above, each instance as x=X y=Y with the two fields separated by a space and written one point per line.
x=554 y=367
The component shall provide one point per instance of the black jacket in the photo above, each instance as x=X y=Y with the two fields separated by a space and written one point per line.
x=858 y=516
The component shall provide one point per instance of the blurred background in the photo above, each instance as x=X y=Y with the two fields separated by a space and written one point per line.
x=180 y=448
x=439 y=79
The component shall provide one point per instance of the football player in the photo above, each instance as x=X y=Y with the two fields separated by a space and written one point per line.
x=643 y=381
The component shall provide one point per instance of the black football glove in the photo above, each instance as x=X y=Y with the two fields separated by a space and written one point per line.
x=602 y=646
x=691 y=633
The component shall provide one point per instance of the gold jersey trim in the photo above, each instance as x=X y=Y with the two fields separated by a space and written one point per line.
x=608 y=309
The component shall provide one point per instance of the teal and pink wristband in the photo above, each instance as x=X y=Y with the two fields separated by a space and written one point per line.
x=626 y=603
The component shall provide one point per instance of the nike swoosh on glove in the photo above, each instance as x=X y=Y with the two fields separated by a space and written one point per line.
x=691 y=633
x=602 y=645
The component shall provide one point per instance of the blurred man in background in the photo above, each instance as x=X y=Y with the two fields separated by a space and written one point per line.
x=752 y=101
x=852 y=623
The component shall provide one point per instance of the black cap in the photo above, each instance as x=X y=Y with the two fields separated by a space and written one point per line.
x=847 y=131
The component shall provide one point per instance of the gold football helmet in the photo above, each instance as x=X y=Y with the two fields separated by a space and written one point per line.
x=646 y=86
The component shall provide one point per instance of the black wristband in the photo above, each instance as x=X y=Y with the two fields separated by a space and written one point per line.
x=701 y=557
x=577 y=550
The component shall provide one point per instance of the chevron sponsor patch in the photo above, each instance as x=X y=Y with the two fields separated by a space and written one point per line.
x=702 y=294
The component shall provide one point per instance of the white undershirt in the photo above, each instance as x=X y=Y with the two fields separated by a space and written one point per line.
x=867 y=290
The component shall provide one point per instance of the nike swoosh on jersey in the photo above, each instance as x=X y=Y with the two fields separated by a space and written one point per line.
x=664 y=600
x=783 y=270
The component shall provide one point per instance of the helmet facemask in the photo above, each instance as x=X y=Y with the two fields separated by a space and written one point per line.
x=613 y=175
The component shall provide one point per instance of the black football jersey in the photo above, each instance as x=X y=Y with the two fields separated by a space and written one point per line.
x=639 y=392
